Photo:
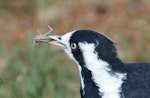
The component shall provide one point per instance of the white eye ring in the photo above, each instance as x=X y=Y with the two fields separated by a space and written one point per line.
x=73 y=45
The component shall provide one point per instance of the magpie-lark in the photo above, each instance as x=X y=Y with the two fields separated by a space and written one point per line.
x=102 y=73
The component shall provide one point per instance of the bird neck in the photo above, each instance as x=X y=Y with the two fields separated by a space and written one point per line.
x=88 y=87
x=99 y=83
x=100 y=77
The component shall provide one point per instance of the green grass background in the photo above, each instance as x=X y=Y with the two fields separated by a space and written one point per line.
x=46 y=71
x=38 y=73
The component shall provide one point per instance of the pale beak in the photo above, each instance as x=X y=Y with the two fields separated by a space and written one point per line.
x=48 y=38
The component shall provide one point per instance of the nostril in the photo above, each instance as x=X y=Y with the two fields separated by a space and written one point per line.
x=51 y=40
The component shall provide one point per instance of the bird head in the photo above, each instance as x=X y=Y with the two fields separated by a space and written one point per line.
x=86 y=46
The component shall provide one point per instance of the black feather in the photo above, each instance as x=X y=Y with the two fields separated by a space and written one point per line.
x=137 y=84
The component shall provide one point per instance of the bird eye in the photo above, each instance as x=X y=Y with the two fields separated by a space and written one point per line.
x=73 y=45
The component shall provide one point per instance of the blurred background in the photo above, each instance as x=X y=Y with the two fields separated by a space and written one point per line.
x=47 y=72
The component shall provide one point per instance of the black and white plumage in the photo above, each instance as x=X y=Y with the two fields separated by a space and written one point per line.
x=102 y=73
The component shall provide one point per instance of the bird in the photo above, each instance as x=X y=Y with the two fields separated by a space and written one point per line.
x=102 y=73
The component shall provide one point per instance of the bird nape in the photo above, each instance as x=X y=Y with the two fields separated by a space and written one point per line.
x=102 y=73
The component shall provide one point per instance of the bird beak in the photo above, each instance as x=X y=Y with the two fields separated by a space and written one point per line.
x=48 y=38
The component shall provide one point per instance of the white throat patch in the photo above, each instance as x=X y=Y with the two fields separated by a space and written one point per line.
x=65 y=39
x=108 y=84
